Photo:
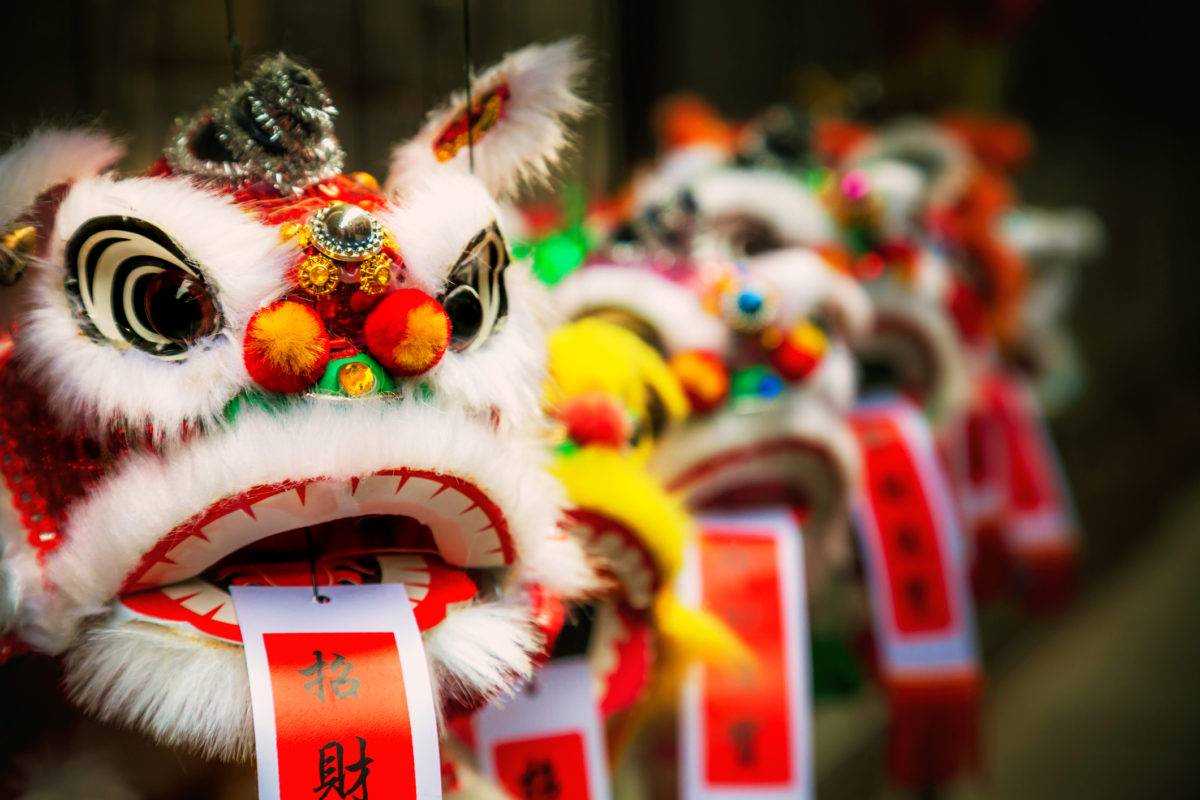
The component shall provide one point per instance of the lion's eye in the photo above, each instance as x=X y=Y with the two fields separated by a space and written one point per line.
x=475 y=297
x=133 y=284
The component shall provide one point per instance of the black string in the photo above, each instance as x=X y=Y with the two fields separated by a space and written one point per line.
x=312 y=566
x=466 y=17
x=234 y=43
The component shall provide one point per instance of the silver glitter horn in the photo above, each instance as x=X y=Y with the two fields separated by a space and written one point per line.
x=276 y=127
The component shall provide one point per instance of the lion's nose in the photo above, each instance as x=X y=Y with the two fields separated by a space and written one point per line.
x=408 y=332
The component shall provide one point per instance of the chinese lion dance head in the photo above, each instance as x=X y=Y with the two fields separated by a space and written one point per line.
x=248 y=367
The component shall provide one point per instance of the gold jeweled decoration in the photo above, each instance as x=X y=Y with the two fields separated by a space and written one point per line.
x=16 y=246
x=356 y=378
x=375 y=274
x=486 y=112
x=318 y=275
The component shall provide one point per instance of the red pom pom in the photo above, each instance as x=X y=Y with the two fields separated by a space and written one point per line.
x=596 y=419
x=408 y=332
x=800 y=352
x=286 y=347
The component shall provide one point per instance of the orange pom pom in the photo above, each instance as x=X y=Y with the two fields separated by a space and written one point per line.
x=703 y=377
x=408 y=332
x=286 y=347
x=800 y=352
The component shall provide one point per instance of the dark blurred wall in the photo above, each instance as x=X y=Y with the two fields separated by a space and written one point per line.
x=1110 y=90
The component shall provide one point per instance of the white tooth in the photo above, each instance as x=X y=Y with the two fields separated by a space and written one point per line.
x=473 y=520
x=403 y=561
x=193 y=554
x=639 y=588
x=416 y=592
x=610 y=545
x=208 y=599
x=375 y=493
x=406 y=576
x=178 y=590
x=226 y=614
x=159 y=574
x=449 y=502
x=415 y=490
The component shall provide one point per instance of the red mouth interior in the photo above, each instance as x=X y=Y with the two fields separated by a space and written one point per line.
x=348 y=552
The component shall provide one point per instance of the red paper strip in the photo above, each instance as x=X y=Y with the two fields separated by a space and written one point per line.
x=342 y=703
x=548 y=741
x=922 y=618
x=341 y=716
x=544 y=767
x=748 y=738
x=1040 y=528
x=746 y=733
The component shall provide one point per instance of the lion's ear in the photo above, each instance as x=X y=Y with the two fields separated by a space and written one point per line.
x=520 y=109
x=27 y=172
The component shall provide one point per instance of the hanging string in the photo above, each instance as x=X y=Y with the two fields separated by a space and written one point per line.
x=234 y=43
x=312 y=566
x=466 y=17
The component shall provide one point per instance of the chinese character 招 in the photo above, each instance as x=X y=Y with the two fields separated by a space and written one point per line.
x=341 y=685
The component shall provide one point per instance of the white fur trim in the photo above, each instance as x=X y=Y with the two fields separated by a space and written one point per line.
x=674 y=171
x=527 y=142
x=915 y=138
x=92 y=382
x=47 y=158
x=806 y=282
x=797 y=415
x=794 y=213
x=435 y=217
x=192 y=692
x=182 y=690
x=126 y=515
x=673 y=310
x=36 y=164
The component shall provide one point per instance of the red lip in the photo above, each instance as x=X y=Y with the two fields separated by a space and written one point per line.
x=204 y=605
x=466 y=525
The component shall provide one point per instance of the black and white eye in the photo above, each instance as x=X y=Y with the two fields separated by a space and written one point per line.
x=475 y=298
x=132 y=283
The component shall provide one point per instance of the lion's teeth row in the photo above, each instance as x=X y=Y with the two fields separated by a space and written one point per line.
x=464 y=534
x=206 y=600
x=630 y=565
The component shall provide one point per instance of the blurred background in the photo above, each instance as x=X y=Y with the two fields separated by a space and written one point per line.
x=1101 y=702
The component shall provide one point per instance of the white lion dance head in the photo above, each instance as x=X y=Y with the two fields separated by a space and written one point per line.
x=246 y=349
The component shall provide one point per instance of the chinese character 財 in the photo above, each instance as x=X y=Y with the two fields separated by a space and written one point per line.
x=744 y=735
x=341 y=685
x=332 y=771
x=539 y=781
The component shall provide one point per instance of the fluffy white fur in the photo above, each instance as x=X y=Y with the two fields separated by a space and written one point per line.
x=193 y=693
x=675 y=170
x=35 y=165
x=673 y=310
x=182 y=690
x=920 y=139
x=93 y=382
x=47 y=158
x=806 y=282
x=795 y=214
x=528 y=140
x=797 y=415
x=432 y=223
x=127 y=514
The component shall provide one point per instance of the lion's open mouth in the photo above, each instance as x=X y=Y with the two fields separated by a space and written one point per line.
x=434 y=533
x=899 y=356
x=785 y=471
